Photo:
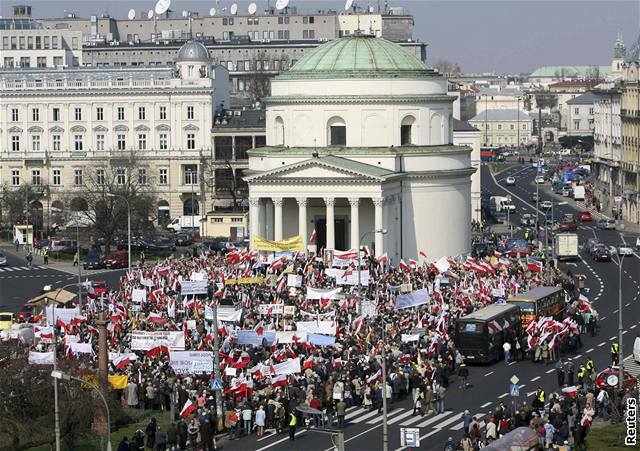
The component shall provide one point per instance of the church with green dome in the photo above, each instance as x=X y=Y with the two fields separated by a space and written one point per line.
x=360 y=141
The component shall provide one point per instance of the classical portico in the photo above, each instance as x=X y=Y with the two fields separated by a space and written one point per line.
x=360 y=138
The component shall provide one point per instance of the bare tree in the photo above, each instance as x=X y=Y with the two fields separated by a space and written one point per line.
x=593 y=73
x=22 y=204
x=446 y=67
x=107 y=183
x=263 y=68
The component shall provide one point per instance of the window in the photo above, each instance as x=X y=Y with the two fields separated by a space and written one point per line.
x=100 y=142
x=406 y=129
x=499 y=126
x=55 y=142
x=192 y=71
x=218 y=220
x=35 y=115
x=100 y=176
x=524 y=126
x=191 y=141
x=236 y=220
x=576 y=111
x=142 y=113
x=283 y=34
x=78 y=114
x=15 y=177
x=15 y=117
x=190 y=114
x=25 y=61
x=190 y=174
x=78 y=177
x=56 y=114
x=163 y=113
x=99 y=114
x=163 y=178
x=57 y=61
x=54 y=42
x=591 y=111
x=8 y=62
x=576 y=124
x=57 y=177
x=121 y=176
x=142 y=176
x=15 y=143
x=46 y=42
x=35 y=177
x=163 y=141
x=78 y=142
x=337 y=132
x=283 y=20
x=41 y=61
x=120 y=112
x=35 y=143
x=121 y=141
x=308 y=34
x=512 y=127
x=142 y=141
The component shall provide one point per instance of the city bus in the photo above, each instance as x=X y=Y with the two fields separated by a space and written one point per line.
x=538 y=303
x=480 y=335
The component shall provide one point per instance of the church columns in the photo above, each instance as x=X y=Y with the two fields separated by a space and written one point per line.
x=254 y=218
x=302 y=219
x=379 y=240
x=331 y=223
x=277 y=218
x=355 y=222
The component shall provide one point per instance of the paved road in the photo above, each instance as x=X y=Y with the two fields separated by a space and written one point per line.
x=364 y=429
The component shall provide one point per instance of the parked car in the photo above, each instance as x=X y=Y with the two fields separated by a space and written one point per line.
x=117 y=259
x=93 y=260
x=527 y=220
x=510 y=181
x=539 y=179
x=602 y=254
x=585 y=216
x=546 y=205
x=162 y=244
x=625 y=249
x=3 y=260
x=607 y=224
x=62 y=244
x=183 y=239
x=611 y=377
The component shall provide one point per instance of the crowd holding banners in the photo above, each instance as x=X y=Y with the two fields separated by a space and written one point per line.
x=287 y=341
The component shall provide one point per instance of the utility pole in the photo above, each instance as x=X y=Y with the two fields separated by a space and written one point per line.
x=620 y=331
x=385 y=424
x=539 y=130
x=216 y=364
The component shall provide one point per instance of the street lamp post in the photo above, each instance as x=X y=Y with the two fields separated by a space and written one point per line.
x=620 y=353
x=59 y=375
x=128 y=224
x=382 y=231
x=385 y=423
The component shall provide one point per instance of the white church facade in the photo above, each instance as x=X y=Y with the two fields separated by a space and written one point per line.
x=360 y=139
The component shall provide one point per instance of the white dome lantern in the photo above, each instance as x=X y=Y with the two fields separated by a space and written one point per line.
x=193 y=61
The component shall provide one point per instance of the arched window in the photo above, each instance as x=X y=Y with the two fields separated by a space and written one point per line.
x=190 y=207
x=337 y=131
x=436 y=129
x=164 y=212
x=279 y=123
x=406 y=130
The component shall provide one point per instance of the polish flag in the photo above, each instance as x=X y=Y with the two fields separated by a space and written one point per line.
x=423 y=254
x=187 y=409
x=157 y=295
x=383 y=258
x=156 y=350
x=413 y=263
x=122 y=361
x=219 y=293
x=314 y=237
x=156 y=318
x=570 y=391
x=280 y=381
x=534 y=265
x=277 y=264
x=404 y=266
x=374 y=377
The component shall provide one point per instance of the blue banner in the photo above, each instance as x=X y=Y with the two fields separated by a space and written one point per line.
x=321 y=340
x=412 y=299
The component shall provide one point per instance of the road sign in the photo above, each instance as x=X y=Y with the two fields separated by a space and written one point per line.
x=514 y=390
x=514 y=379
x=410 y=437
x=216 y=384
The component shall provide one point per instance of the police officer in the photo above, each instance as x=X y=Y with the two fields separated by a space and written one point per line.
x=293 y=421
x=45 y=255
x=582 y=373
x=615 y=353
x=539 y=400
x=142 y=257
x=589 y=366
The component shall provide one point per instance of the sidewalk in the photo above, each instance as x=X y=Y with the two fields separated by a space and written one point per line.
x=38 y=260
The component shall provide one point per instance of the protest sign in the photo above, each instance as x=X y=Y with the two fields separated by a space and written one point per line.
x=294 y=280
x=190 y=287
x=191 y=362
x=138 y=296
x=143 y=340
x=271 y=309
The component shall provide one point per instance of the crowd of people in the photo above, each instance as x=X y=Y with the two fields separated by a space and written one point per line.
x=297 y=330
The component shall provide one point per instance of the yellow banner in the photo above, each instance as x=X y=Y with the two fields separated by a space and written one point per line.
x=245 y=281
x=293 y=244
x=118 y=382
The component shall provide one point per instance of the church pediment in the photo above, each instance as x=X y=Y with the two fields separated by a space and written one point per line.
x=323 y=169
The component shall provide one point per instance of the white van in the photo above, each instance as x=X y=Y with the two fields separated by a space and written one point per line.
x=60 y=244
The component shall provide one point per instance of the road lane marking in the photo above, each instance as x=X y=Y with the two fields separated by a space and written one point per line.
x=485 y=404
x=589 y=350
x=503 y=395
x=612 y=338
x=550 y=371
x=603 y=318
x=602 y=344
x=489 y=373
x=634 y=326
x=448 y=421
x=355 y=437
x=535 y=378
x=413 y=420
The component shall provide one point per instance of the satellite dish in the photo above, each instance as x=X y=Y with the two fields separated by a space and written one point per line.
x=371 y=9
x=212 y=12
x=224 y=10
x=132 y=14
x=185 y=14
x=252 y=8
x=348 y=4
x=162 y=6
x=281 y=4
x=150 y=14
x=234 y=9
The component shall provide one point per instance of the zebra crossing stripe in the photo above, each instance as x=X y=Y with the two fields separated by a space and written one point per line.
x=8 y=269
x=365 y=417
x=381 y=417
x=400 y=417
x=413 y=420
x=355 y=412
x=448 y=421
x=434 y=419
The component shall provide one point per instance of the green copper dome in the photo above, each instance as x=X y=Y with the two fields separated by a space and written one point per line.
x=358 y=56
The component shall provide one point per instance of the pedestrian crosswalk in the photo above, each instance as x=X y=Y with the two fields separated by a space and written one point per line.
x=20 y=268
x=631 y=366
x=402 y=417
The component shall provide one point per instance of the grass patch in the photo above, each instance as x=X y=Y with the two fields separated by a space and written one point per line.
x=91 y=442
x=609 y=437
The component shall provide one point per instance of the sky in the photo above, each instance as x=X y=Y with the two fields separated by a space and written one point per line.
x=500 y=36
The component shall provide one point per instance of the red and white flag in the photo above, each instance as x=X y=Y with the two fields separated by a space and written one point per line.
x=383 y=258
x=280 y=381
x=187 y=409
x=314 y=237
x=570 y=391
x=404 y=266
x=534 y=265
x=374 y=377
x=122 y=361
